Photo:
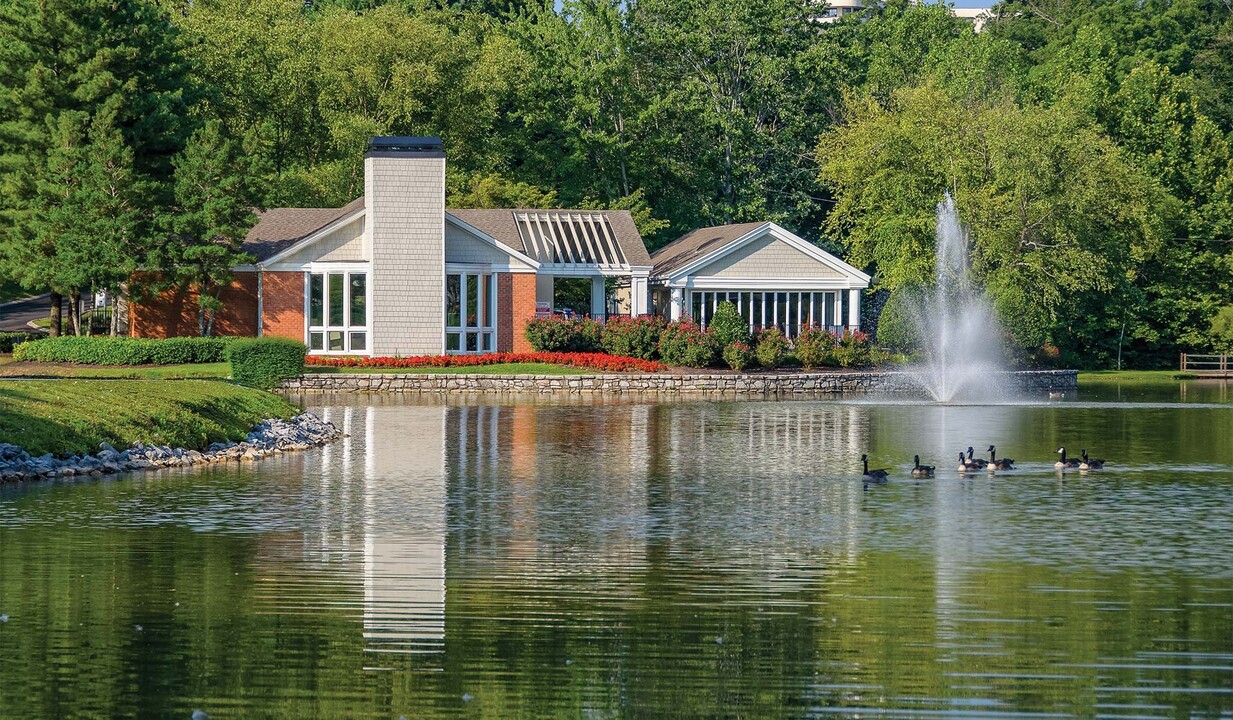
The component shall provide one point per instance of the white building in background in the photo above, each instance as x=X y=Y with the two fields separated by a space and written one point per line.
x=835 y=9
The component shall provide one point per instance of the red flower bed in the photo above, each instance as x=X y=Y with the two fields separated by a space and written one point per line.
x=593 y=361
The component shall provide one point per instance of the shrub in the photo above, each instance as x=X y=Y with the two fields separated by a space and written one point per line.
x=738 y=355
x=815 y=347
x=556 y=333
x=728 y=325
x=265 y=362
x=897 y=323
x=854 y=349
x=685 y=344
x=9 y=340
x=632 y=337
x=595 y=361
x=102 y=350
x=771 y=348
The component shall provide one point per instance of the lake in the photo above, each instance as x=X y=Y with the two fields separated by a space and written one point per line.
x=547 y=559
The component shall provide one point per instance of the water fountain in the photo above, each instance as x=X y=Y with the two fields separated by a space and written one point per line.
x=954 y=324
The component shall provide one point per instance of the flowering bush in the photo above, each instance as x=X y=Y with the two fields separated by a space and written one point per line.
x=771 y=347
x=816 y=346
x=686 y=344
x=632 y=336
x=556 y=333
x=594 y=361
x=854 y=349
x=738 y=355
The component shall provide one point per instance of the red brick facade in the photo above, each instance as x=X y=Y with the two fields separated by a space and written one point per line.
x=282 y=305
x=515 y=305
x=173 y=313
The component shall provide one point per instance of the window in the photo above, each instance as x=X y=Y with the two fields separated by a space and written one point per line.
x=337 y=312
x=788 y=311
x=470 y=313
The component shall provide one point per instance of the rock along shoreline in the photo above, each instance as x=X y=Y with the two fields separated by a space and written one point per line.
x=270 y=437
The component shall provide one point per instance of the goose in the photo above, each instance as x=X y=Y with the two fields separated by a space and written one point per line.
x=878 y=475
x=977 y=463
x=1090 y=463
x=995 y=464
x=964 y=465
x=921 y=471
x=1063 y=463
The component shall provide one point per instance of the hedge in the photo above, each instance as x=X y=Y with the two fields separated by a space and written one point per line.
x=9 y=340
x=556 y=333
x=265 y=362
x=104 y=350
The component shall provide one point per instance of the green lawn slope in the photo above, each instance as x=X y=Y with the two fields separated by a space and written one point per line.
x=74 y=416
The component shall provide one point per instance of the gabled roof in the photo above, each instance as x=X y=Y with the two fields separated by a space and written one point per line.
x=704 y=246
x=279 y=228
x=507 y=226
x=697 y=244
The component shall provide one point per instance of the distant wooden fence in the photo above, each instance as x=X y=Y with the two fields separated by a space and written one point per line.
x=1207 y=365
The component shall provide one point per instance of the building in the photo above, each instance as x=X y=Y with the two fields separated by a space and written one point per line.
x=397 y=273
x=834 y=9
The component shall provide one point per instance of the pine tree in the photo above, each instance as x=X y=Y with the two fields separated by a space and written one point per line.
x=214 y=200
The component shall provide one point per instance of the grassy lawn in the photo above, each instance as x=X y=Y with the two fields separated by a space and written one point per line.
x=501 y=369
x=1096 y=377
x=202 y=371
x=63 y=416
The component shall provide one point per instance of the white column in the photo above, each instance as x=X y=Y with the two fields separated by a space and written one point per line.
x=599 y=305
x=838 y=309
x=676 y=304
x=854 y=309
x=638 y=300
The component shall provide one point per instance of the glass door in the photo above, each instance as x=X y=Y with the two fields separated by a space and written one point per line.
x=470 y=313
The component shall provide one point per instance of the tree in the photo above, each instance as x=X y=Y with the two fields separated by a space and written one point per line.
x=214 y=198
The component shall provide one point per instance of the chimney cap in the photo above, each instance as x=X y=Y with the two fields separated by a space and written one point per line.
x=406 y=144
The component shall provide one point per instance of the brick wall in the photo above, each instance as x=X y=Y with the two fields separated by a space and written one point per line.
x=282 y=305
x=173 y=313
x=522 y=309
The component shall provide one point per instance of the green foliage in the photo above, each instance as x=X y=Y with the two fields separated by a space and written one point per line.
x=632 y=336
x=684 y=344
x=738 y=355
x=9 y=340
x=556 y=333
x=73 y=416
x=265 y=362
x=728 y=325
x=87 y=350
x=772 y=346
x=898 y=322
x=855 y=349
x=1222 y=329
x=816 y=347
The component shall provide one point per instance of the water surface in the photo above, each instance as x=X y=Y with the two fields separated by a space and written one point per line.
x=504 y=559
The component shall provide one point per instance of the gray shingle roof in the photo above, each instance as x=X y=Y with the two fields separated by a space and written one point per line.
x=279 y=228
x=695 y=244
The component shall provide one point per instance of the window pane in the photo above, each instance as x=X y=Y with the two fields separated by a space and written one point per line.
x=336 y=299
x=358 y=299
x=781 y=308
x=359 y=341
x=336 y=340
x=316 y=300
x=487 y=344
x=472 y=300
x=755 y=303
x=492 y=301
x=453 y=302
x=451 y=341
x=696 y=301
x=316 y=341
x=819 y=309
x=471 y=342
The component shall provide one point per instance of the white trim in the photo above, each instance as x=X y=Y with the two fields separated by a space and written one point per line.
x=767 y=284
x=480 y=235
x=849 y=273
x=314 y=236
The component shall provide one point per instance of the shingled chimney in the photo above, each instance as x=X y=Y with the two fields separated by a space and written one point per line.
x=404 y=198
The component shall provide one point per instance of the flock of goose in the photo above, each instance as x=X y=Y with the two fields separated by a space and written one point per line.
x=968 y=464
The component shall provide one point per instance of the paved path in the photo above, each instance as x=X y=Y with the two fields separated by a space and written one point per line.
x=15 y=315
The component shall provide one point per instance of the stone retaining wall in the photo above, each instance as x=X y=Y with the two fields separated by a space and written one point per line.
x=729 y=384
